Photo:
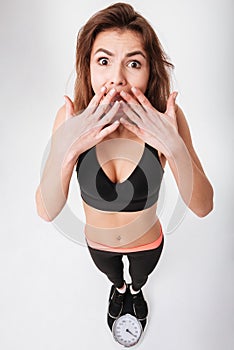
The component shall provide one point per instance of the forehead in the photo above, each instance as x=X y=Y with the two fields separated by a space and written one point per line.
x=118 y=39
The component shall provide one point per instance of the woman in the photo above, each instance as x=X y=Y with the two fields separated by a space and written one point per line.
x=121 y=129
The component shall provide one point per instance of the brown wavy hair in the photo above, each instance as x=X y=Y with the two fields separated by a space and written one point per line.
x=121 y=16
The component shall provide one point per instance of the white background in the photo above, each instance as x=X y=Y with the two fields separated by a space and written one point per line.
x=51 y=295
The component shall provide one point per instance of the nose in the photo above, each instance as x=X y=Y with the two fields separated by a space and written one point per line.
x=117 y=77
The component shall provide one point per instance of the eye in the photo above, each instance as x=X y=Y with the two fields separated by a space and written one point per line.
x=134 y=64
x=103 y=61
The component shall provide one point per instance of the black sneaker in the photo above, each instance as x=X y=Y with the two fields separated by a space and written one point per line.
x=116 y=301
x=139 y=306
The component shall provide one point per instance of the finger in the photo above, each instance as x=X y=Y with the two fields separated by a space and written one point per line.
x=106 y=102
x=135 y=106
x=141 y=98
x=171 y=106
x=107 y=130
x=69 y=107
x=109 y=115
x=131 y=127
x=128 y=110
x=94 y=102
x=109 y=96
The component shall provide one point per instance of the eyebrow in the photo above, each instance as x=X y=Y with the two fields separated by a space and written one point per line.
x=129 y=54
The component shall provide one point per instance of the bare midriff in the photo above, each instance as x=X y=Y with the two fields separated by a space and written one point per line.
x=122 y=229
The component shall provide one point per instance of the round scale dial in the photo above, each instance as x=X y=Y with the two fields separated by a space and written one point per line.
x=127 y=330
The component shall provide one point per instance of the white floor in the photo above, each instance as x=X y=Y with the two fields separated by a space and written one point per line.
x=53 y=297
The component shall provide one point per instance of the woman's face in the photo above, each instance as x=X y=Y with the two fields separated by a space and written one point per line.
x=118 y=60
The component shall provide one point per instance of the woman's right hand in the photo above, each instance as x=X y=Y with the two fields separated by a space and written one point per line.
x=83 y=131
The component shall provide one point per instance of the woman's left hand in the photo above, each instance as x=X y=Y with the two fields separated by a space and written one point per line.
x=160 y=130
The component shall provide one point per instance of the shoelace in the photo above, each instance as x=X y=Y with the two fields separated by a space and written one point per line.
x=118 y=297
x=138 y=299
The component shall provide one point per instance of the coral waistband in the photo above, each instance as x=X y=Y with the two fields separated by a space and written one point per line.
x=155 y=244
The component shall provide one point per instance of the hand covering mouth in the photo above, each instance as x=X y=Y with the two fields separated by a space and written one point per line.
x=117 y=98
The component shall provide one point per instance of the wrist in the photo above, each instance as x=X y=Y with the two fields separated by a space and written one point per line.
x=70 y=160
x=180 y=155
x=174 y=147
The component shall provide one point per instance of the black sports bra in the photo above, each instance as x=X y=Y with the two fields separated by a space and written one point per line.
x=138 y=192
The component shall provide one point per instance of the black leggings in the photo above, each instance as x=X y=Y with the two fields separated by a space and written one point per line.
x=141 y=264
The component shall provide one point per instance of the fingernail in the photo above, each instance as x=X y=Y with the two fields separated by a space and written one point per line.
x=103 y=89
x=112 y=91
x=123 y=93
x=134 y=89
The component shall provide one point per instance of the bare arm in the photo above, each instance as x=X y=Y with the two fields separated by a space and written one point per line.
x=169 y=133
x=184 y=160
x=58 y=189
x=71 y=136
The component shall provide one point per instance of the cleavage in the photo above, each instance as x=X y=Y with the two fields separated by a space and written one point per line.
x=119 y=158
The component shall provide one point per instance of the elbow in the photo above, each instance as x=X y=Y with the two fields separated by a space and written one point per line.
x=205 y=208
x=43 y=215
x=41 y=212
x=202 y=212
